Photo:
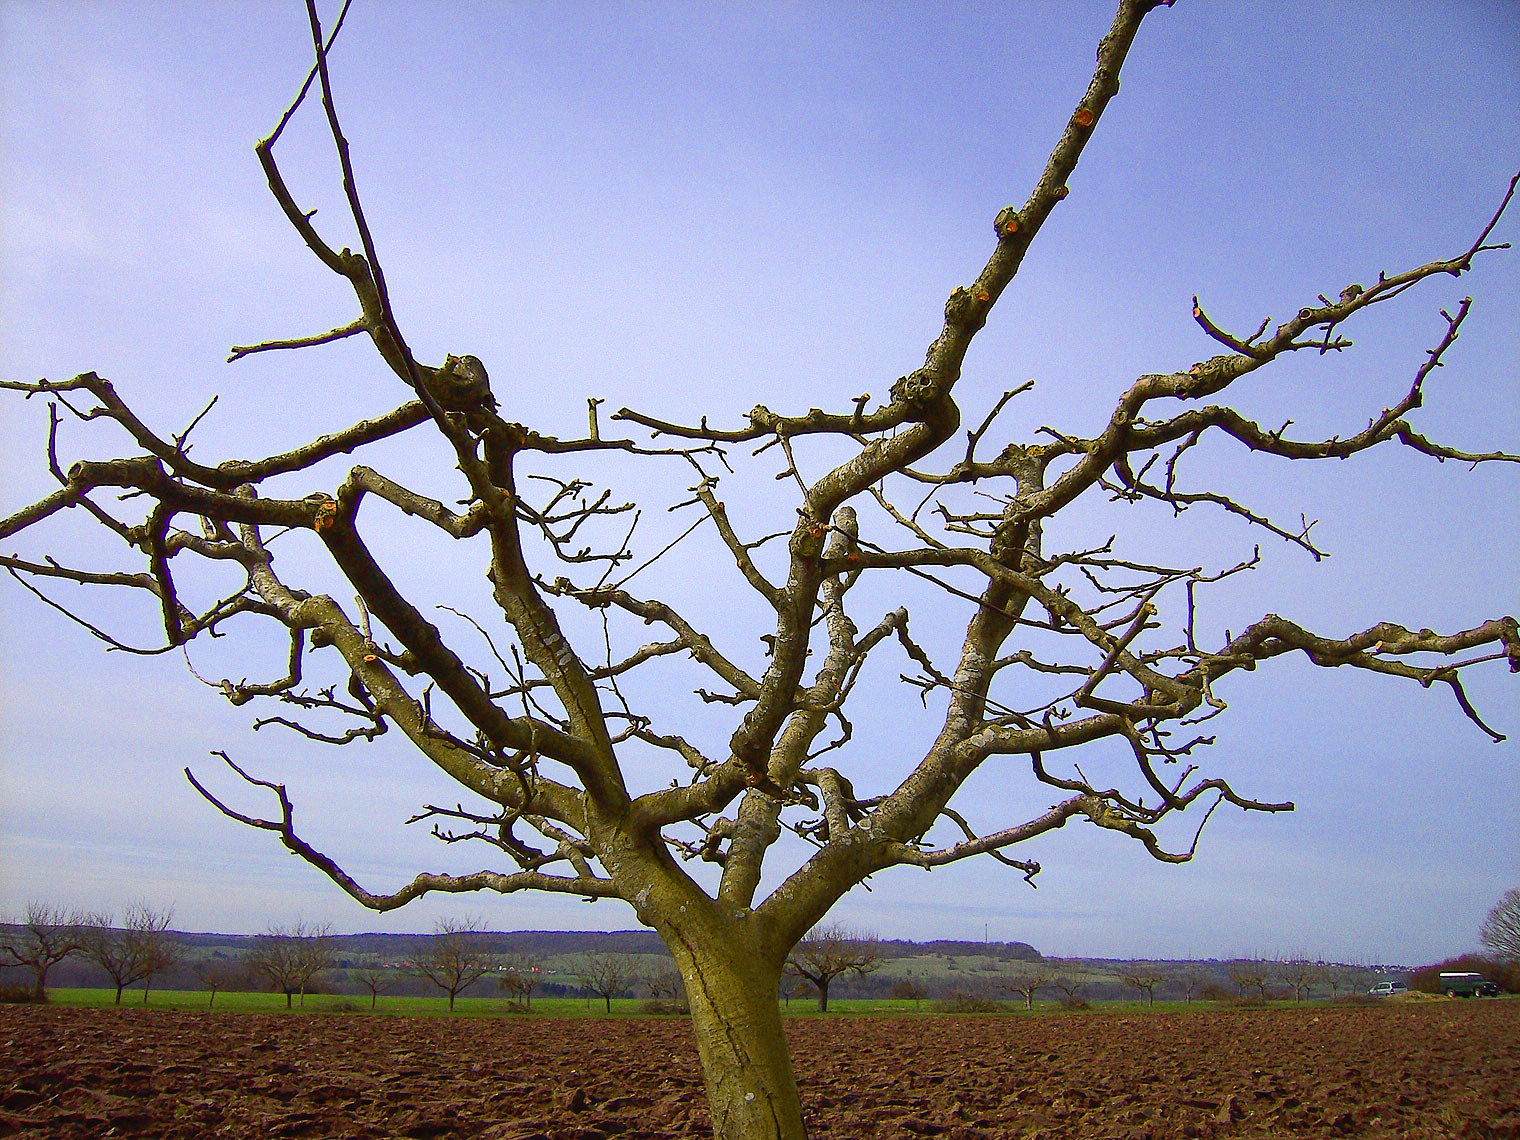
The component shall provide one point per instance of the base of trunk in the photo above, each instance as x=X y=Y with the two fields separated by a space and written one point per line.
x=746 y=1065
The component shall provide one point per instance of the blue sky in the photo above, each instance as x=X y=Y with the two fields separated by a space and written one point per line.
x=692 y=209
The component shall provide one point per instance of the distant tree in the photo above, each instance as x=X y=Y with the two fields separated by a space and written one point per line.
x=134 y=952
x=46 y=937
x=1026 y=983
x=377 y=980
x=518 y=978
x=1193 y=976
x=217 y=974
x=1501 y=930
x=1072 y=989
x=829 y=951
x=909 y=990
x=455 y=957
x=663 y=984
x=110 y=949
x=606 y=975
x=798 y=988
x=1338 y=978
x=160 y=949
x=1300 y=975
x=289 y=958
x=1248 y=974
x=1145 y=980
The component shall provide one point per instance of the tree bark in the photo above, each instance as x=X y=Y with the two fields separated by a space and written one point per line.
x=746 y=1066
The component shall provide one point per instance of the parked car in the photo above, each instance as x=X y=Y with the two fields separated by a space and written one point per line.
x=1467 y=985
x=1388 y=989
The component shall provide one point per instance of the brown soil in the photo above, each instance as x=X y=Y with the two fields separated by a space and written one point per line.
x=1438 y=1070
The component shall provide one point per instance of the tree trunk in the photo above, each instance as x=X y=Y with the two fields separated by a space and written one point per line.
x=746 y=1066
x=823 y=995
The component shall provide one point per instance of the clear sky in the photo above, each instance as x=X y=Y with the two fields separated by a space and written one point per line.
x=696 y=208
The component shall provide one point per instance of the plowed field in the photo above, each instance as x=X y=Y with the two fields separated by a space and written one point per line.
x=1444 y=1069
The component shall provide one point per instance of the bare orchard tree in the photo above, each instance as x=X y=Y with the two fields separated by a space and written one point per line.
x=1192 y=979
x=606 y=975
x=1250 y=974
x=664 y=987
x=828 y=953
x=1501 y=929
x=134 y=952
x=289 y=958
x=377 y=980
x=46 y=937
x=552 y=713
x=1026 y=983
x=1071 y=989
x=217 y=974
x=455 y=957
x=1301 y=975
x=160 y=955
x=1145 y=979
x=518 y=977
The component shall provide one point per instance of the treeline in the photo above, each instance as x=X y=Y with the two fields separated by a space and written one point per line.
x=51 y=947
x=71 y=949
x=539 y=943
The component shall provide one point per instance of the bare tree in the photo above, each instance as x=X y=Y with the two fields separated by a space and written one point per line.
x=830 y=951
x=606 y=975
x=140 y=948
x=535 y=709
x=1250 y=974
x=1145 y=979
x=455 y=957
x=217 y=974
x=110 y=949
x=1193 y=976
x=46 y=937
x=1301 y=975
x=377 y=980
x=1072 y=988
x=1501 y=929
x=1338 y=978
x=1026 y=983
x=289 y=958
x=518 y=978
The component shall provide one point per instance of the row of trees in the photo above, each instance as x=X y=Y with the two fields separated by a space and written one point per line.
x=289 y=959
x=138 y=950
x=1261 y=979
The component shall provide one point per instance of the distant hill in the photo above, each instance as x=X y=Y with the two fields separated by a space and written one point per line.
x=534 y=943
x=553 y=943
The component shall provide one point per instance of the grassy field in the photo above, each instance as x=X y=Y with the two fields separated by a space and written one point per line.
x=250 y=1002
